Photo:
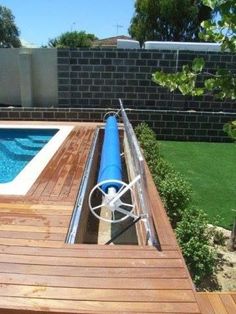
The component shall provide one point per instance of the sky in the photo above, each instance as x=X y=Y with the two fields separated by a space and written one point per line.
x=41 y=20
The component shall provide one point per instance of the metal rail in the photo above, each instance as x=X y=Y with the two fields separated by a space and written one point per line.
x=139 y=169
x=76 y=215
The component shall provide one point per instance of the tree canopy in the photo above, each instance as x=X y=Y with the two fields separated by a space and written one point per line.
x=9 y=33
x=222 y=83
x=222 y=30
x=168 y=20
x=72 y=40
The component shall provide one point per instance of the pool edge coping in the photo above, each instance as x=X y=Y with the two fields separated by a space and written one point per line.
x=29 y=174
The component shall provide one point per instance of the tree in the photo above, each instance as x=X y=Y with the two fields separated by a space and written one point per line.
x=72 y=40
x=222 y=30
x=222 y=83
x=168 y=20
x=9 y=33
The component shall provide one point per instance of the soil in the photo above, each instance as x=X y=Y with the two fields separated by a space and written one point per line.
x=225 y=278
x=226 y=274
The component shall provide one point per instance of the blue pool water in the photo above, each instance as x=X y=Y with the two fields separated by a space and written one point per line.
x=18 y=147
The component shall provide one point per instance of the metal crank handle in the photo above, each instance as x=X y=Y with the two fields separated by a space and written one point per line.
x=123 y=191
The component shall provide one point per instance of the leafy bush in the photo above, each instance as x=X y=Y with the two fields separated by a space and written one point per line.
x=230 y=129
x=176 y=195
x=194 y=238
x=161 y=169
x=149 y=144
x=143 y=130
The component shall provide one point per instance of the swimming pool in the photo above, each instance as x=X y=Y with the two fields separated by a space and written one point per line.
x=18 y=147
x=24 y=156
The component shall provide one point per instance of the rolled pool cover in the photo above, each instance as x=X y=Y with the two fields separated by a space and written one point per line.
x=110 y=164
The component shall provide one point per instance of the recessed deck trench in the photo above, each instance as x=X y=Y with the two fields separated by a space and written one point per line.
x=108 y=226
x=90 y=229
x=99 y=231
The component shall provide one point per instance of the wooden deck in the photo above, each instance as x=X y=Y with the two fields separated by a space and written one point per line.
x=39 y=273
x=217 y=303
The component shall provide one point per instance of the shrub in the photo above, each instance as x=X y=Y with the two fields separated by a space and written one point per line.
x=160 y=170
x=149 y=143
x=176 y=195
x=143 y=129
x=194 y=239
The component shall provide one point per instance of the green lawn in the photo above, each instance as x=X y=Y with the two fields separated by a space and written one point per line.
x=211 y=169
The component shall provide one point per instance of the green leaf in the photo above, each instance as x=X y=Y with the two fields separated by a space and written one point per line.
x=198 y=92
x=185 y=89
x=210 y=83
x=230 y=129
x=210 y=3
x=198 y=64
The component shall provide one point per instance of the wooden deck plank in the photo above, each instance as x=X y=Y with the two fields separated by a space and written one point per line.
x=204 y=304
x=95 y=253
x=35 y=220
x=108 y=272
x=229 y=303
x=165 y=232
x=217 y=302
x=90 y=262
x=32 y=235
x=44 y=229
x=33 y=207
x=97 y=294
x=36 y=213
x=98 y=307
x=99 y=283
x=233 y=295
x=48 y=243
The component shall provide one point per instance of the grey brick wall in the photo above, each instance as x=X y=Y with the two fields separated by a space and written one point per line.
x=168 y=124
x=98 y=77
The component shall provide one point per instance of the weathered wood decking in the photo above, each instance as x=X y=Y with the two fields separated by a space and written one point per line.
x=217 y=302
x=38 y=272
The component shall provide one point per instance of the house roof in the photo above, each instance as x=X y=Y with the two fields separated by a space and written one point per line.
x=110 y=41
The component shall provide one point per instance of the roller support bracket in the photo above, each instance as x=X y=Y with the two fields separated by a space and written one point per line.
x=111 y=113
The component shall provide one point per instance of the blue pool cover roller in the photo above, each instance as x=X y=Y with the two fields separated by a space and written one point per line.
x=110 y=165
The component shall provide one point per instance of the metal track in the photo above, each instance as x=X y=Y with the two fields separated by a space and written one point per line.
x=76 y=215
x=139 y=168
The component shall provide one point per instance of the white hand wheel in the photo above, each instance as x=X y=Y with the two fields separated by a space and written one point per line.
x=112 y=200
